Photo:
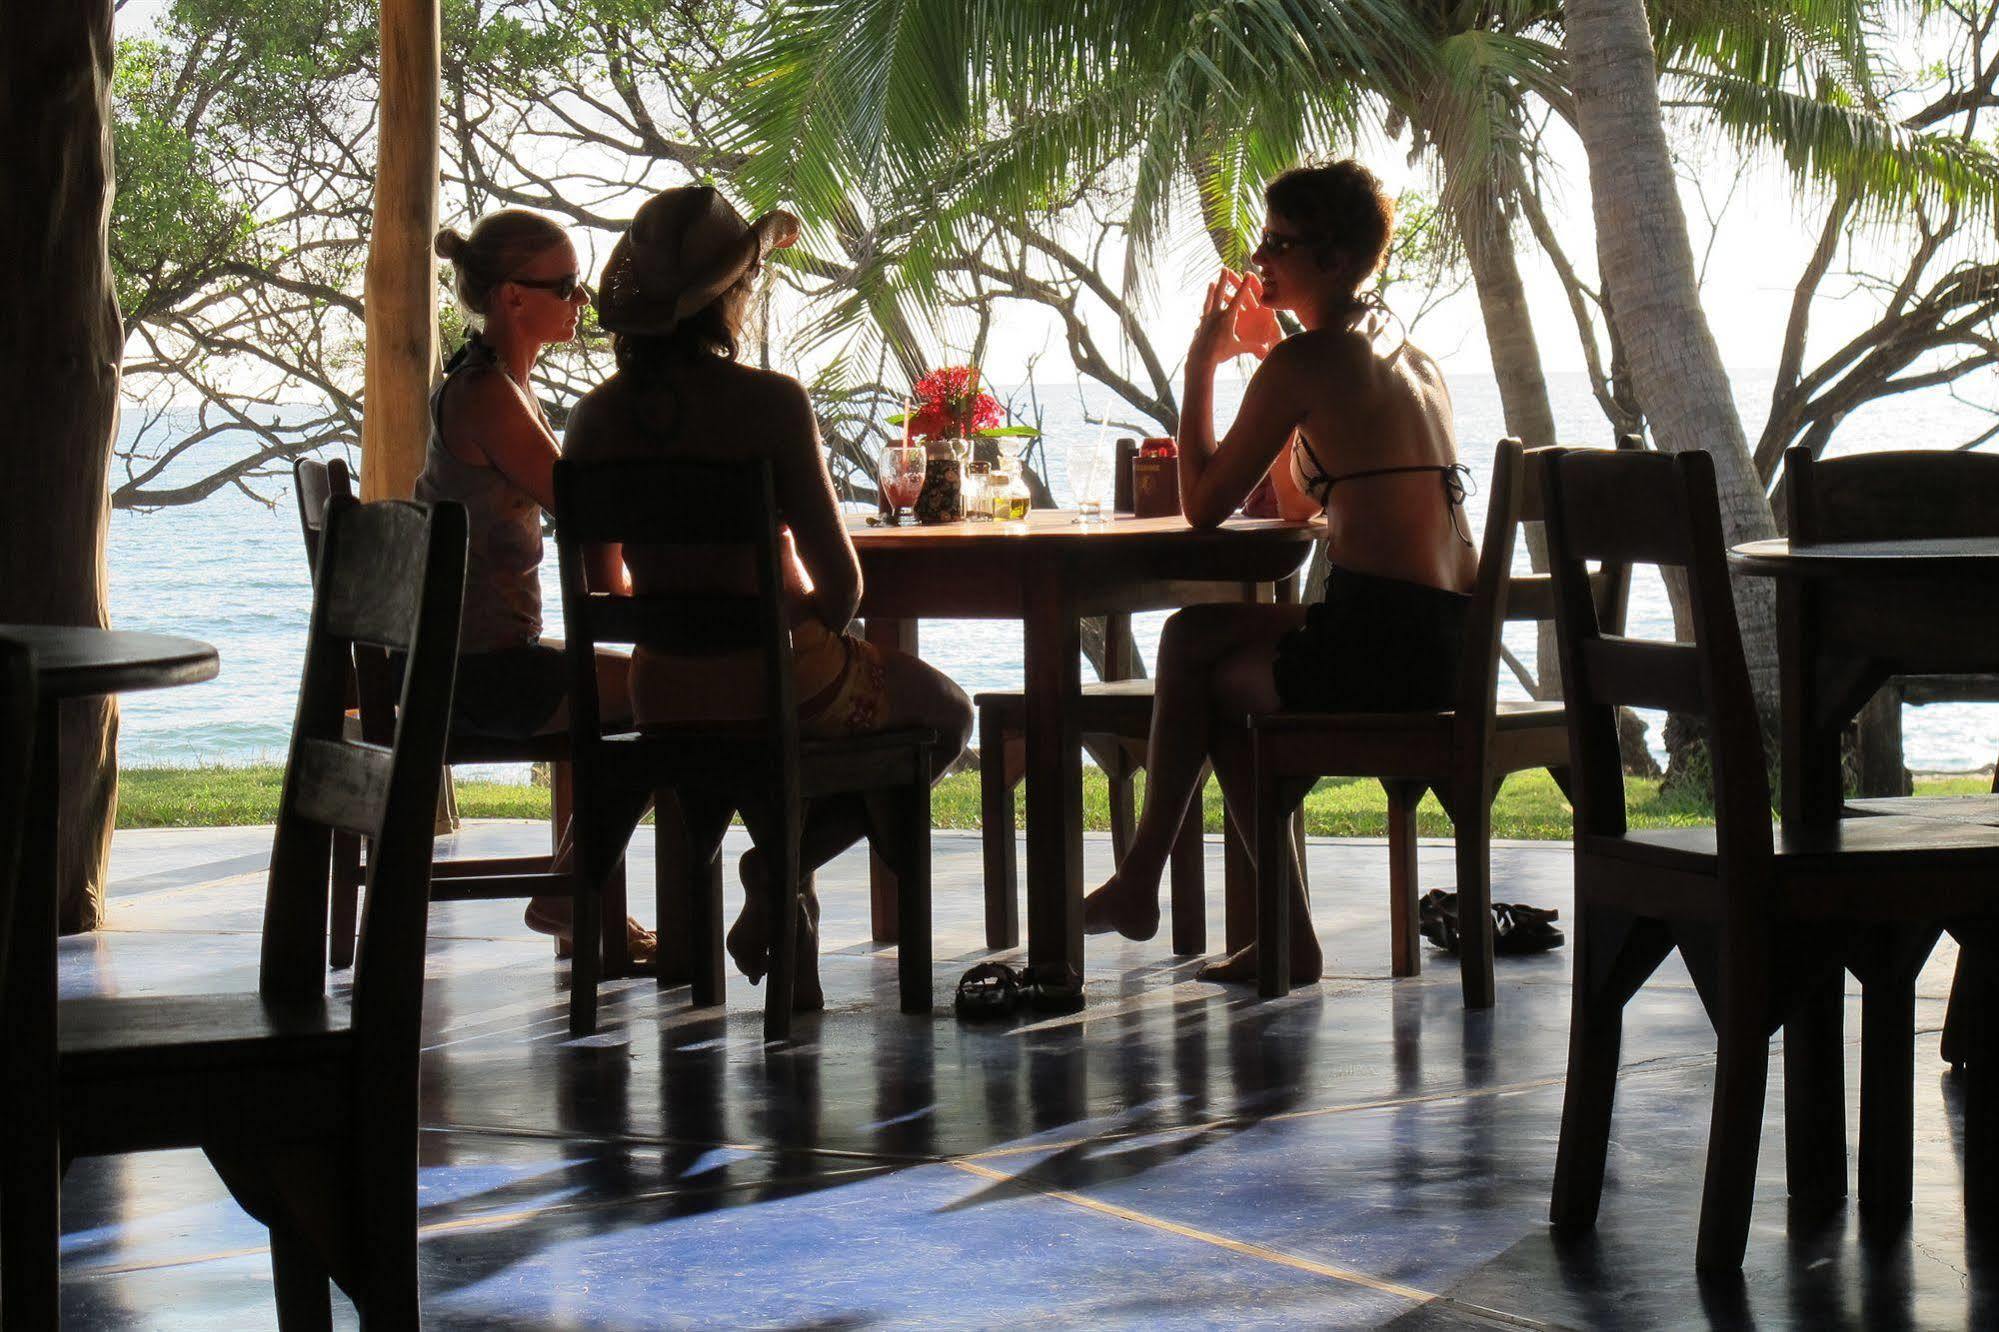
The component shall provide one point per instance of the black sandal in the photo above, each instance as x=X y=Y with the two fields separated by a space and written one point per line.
x=1056 y=989
x=989 y=991
x=1516 y=927
x=1519 y=928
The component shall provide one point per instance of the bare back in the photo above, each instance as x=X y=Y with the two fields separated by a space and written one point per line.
x=1366 y=405
x=711 y=409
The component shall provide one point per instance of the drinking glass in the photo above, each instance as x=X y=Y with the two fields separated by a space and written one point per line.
x=900 y=472
x=1090 y=465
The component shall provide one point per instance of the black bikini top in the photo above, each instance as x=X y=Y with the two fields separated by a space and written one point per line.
x=1319 y=482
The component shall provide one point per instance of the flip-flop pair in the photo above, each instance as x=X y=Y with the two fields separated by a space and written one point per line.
x=993 y=990
x=1516 y=927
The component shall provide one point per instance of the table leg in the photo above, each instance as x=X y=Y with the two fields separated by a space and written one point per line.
x=883 y=897
x=1810 y=780
x=1053 y=643
x=30 y=1167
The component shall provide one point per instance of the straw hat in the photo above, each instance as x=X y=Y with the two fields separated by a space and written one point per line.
x=685 y=247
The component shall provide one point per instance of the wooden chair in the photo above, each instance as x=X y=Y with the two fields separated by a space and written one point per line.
x=1463 y=752
x=307 y=1103
x=17 y=745
x=1762 y=922
x=759 y=767
x=1888 y=496
x=371 y=700
x=1115 y=717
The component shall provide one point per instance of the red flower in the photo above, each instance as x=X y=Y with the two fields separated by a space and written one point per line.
x=950 y=402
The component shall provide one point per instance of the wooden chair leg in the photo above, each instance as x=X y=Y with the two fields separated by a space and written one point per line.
x=697 y=907
x=1596 y=1035
x=1735 y=1129
x=997 y=838
x=1273 y=883
x=1187 y=871
x=343 y=911
x=777 y=838
x=302 y=1286
x=913 y=908
x=1405 y=938
x=1887 y=965
x=1815 y=1088
x=1971 y=987
x=1121 y=797
x=586 y=958
x=1472 y=829
x=1979 y=1032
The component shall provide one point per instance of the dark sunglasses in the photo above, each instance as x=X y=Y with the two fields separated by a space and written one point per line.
x=564 y=287
x=1277 y=243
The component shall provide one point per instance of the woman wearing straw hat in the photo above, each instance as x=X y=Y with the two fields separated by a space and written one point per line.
x=492 y=450
x=674 y=297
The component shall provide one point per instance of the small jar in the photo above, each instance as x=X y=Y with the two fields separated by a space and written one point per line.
x=979 y=490
x=1009 y=497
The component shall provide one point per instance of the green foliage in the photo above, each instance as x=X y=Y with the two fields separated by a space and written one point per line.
x=170 y=221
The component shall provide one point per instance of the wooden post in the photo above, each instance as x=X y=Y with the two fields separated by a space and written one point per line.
x=61 y=342
x=402 y=274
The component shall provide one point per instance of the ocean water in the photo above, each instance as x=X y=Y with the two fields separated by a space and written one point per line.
x=231 y=570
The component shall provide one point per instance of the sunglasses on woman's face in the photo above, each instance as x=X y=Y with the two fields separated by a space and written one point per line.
x=1276 y=243
x=564 y=287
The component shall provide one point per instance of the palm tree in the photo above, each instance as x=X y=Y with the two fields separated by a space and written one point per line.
x=958 y=110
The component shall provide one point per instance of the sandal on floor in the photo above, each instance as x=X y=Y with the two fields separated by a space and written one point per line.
x=1519 y=928
x=1055 y=989
x=989 y=991
x=1516 y=927
x=1437 y=918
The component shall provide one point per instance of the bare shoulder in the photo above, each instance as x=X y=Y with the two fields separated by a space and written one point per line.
x=587 y=434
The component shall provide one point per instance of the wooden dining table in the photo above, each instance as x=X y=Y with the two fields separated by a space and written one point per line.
x=1050 y=572
x=70 y=662
x=1850 y=616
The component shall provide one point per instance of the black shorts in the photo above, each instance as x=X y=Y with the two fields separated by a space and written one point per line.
x=510 y=694
x=1373 y=645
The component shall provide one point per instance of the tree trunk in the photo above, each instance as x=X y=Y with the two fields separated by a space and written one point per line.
x=1516 y=364
x=61 y=342
x=402 y=272
x=1648 y=270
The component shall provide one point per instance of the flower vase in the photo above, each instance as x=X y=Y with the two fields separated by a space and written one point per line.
x=943 y=497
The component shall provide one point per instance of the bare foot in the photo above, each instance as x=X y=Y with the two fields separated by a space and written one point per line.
x=1116 y=907
x=749 y=938
x=1239 y=967
x=550 y=915
x=748 y=941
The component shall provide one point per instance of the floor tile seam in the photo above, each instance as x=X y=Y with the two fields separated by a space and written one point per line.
x=1258 y=1252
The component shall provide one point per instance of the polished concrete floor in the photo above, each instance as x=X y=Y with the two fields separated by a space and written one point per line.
x=1362 y=1153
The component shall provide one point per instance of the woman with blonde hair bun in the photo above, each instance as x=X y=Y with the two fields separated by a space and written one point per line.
x=491 y=449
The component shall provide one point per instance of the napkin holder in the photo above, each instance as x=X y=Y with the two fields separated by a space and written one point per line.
x=1155 y=486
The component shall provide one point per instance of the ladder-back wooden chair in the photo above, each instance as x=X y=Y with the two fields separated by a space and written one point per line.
x=371 y=697
x=1762 y=920
x=306 y=1102
x=1462 y=752
x=1890 y=496
x=759 y=767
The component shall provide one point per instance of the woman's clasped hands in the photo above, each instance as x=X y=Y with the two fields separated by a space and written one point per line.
x=1234 y=321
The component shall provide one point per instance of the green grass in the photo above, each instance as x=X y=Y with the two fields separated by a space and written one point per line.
x=1529 y=804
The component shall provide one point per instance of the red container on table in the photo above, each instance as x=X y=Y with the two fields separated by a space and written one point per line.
x=1155 y=479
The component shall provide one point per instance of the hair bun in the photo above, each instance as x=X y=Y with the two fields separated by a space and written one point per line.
x=449 y=244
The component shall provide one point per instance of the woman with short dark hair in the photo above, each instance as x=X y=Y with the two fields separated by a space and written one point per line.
x=1341 y=419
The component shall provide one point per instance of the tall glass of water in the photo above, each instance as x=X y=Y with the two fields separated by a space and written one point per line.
x=1090 y=463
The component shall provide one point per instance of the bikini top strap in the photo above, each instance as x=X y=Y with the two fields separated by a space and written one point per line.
x=1457 y=479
